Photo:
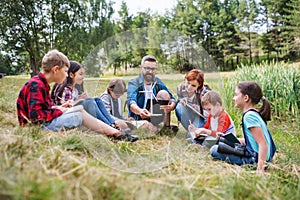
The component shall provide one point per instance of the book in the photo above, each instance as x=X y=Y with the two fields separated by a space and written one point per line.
x=74 y=109
x=206 y=140
x=195 y=111
x=231 y=137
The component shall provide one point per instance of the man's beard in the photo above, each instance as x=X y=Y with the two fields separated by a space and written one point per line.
x=148 y=77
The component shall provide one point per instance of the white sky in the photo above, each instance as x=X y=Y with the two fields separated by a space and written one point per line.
x=156 y=6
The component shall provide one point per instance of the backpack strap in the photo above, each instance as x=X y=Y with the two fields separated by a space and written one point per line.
x=250 y=150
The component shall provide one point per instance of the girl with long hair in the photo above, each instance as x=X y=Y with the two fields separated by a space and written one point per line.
x=258 y=144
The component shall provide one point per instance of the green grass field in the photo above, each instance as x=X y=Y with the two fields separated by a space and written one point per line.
x=79 y=164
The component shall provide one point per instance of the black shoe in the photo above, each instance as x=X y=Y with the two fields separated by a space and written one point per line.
x=169 y=130
x=172 y=128
x=126 y=136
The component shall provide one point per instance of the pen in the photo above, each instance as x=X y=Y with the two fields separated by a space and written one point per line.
x=231 y=127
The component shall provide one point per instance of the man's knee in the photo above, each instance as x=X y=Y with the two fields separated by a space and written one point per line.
x=163 y=95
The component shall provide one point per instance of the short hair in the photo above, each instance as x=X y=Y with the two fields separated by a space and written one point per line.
x=211 y=97
x=117 y=85
x=54 y=58
x=148 y=58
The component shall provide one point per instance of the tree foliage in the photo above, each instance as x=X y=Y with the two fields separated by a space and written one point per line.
x=230 y=31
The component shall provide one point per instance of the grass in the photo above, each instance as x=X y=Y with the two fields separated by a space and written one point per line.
x=79 y=164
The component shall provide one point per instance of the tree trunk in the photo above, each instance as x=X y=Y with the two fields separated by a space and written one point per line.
x=34 y=64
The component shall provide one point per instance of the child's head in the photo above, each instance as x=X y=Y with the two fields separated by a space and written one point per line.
x=252 y=89
x=116 y=87
x=75 y=73
x=249 y=92
x=212 y=102
x=54 y=58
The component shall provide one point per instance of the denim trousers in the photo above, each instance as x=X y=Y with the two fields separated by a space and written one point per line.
x=233 y=159
x=185 y=115
x=96 y=108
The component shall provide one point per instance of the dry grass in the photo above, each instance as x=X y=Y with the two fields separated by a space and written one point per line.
x=79 y=164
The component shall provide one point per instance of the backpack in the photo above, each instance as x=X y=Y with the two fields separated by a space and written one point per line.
x=250 y=150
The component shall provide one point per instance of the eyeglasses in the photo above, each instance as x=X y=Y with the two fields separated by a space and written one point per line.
x=148 y=69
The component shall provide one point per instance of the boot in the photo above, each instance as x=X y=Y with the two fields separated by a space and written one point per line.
x=238 y=150
x=222 y=139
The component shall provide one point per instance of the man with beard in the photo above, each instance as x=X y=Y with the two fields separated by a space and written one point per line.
x=146 y=87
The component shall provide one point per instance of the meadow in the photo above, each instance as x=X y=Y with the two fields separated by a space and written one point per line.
x=79 y=164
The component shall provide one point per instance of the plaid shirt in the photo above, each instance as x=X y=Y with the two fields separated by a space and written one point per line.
x=69 y=93
x=34 y=104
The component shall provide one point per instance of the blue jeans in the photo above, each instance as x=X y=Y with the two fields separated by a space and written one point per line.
x=189 y=115
x=65 y=121
x=96 y=108
x=233 y=159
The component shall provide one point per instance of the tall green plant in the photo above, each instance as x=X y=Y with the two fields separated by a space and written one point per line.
x=280 y=83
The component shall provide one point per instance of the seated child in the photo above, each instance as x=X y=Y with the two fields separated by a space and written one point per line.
x=34 y=105
x=218 y=122
x=112 y=100
x=68 y=91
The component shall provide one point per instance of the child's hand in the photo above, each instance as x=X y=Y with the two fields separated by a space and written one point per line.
x=200 y=131
x=83 y=95
x=219 y=134
x=192 y=128
x=67 y=104
x=130 y=119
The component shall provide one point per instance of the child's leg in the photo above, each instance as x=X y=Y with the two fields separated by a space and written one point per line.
x=103 y=111
x=230 y=158
x=91 y=106
x=98 y=126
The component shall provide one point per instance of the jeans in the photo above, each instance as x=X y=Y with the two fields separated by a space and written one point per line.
x=96 y=108
x=189 y=115
x=65 y=121
x=233 y=159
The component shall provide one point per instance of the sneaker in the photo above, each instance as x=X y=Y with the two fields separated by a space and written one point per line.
x=126 y=136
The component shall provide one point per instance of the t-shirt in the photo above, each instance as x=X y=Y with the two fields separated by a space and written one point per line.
x=221 y=123
x=253 y=119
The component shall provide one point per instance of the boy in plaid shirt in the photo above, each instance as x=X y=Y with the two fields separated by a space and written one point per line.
x=34 y=104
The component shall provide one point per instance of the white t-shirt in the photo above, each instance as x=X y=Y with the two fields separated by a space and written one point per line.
x=148 y=93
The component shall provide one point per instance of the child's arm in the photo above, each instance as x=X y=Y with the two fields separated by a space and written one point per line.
x=223 y=123
x=262 y=147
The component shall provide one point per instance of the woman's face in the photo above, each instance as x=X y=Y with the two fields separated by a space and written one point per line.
x=192 y=86
x=78 y=76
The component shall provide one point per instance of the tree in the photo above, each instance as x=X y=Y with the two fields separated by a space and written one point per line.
x=247 y=17
x=33 y=27
x=291 y=28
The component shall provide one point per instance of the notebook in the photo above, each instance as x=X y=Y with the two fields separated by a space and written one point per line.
x=74 y=109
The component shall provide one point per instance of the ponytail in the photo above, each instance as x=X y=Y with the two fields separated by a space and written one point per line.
x=265 y=109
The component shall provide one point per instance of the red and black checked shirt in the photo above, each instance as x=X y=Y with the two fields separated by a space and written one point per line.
x=34 y=103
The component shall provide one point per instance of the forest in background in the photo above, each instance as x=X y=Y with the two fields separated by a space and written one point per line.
x=232 y=32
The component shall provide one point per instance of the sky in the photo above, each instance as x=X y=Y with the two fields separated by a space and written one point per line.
x=135 y=6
